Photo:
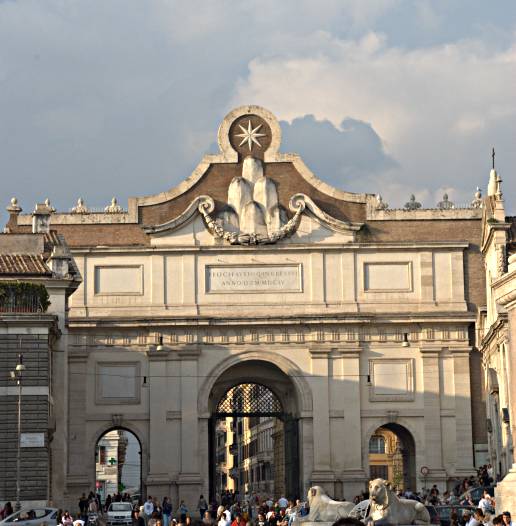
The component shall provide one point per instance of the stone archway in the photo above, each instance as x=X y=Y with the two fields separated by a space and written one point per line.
x=242 y=402
x=392 y=455
x=110 y=474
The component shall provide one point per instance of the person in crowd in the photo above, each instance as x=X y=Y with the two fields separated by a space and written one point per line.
x=260 y=521
x=207 y=519
x=347 y=521
x=183 y=512
x=506 y=517
x=239 y=521
x=202 y=506
x=140 y=521
x=454 y=519
x=66 y=520
x=6 y=510
x=148 y=509
x=166 y=508
x=154 y=519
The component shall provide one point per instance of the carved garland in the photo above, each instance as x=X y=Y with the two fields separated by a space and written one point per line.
x=207 y=205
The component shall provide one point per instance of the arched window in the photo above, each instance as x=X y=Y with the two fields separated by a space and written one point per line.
x=377 y=444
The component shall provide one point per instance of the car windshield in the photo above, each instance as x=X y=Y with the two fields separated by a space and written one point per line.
x=120 y=506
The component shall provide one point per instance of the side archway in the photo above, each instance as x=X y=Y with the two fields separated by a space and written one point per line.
x=120 y=460
x=390 y=453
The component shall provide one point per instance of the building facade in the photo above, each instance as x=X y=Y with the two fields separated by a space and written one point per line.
x=496 y=336
x=253 y=270
x=36 y=269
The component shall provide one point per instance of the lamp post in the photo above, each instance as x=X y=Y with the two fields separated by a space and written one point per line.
x=17 y=376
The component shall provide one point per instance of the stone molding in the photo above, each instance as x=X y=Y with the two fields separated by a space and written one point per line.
x=337 y=338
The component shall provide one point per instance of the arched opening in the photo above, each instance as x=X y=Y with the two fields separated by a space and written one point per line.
x=392 y=456
x=254 y=438
x=118 y=464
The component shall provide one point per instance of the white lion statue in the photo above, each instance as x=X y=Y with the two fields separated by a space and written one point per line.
x=388 y=508
x=324 y=509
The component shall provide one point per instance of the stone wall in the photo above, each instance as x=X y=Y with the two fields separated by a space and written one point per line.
x=35 y=415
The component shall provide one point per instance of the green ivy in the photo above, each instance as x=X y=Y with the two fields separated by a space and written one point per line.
x=22 y=294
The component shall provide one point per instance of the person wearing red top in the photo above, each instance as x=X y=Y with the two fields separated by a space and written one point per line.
x=239 y=521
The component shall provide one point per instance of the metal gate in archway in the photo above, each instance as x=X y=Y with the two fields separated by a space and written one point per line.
x=253 y=441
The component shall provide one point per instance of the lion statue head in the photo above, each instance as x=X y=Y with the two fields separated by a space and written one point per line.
x=379 y=492
x=314 y=494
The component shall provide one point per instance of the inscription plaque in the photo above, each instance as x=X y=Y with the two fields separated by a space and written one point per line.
x=253 y=278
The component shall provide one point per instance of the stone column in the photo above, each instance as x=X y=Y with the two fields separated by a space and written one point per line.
x=345 y=415
x=432 y=420
x=322 y=473
x=463 y=427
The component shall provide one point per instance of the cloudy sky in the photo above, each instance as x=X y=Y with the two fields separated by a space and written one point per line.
x=120 y=97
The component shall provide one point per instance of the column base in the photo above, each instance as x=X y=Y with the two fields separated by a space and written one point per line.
x=157 y=484
x=505 y=492
x=354 y=482
x=189 y=487
x=325 y=479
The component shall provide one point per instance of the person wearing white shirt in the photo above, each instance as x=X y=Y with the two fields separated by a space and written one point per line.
x=148 y=509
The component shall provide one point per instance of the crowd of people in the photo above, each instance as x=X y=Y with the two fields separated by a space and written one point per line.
x=232 y=509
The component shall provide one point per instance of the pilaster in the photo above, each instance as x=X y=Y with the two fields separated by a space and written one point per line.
x=463 y=426
x=344 y=417
x=432 y=411
x=322 y=473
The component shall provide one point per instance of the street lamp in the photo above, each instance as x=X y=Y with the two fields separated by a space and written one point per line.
x=17 y=376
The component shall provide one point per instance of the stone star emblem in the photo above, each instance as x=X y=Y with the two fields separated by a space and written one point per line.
x=250 y=135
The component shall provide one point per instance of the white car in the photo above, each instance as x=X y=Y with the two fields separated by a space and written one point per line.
x=32 y=517
x=120 y=514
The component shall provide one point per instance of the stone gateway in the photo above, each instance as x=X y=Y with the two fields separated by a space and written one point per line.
x=349 y=323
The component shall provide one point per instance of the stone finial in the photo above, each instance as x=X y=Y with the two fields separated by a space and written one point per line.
x=80 y=208
x=47 y=203
x=13 y=207
x=445 y=204
x=412 y=204
x=114 y=207
x=477 y=201
x=380 y=203
x=498 y=193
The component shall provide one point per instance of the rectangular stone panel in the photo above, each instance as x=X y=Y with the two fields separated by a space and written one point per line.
x=386 y=276
x=225 y=279
x=118 y=382
x=118 y=280
x=392 y=380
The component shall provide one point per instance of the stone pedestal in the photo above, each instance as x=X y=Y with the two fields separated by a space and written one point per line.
x=505 y=492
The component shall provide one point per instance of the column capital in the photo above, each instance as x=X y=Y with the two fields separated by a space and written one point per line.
x=460 y=349
x=431 y=351
x=347 y=351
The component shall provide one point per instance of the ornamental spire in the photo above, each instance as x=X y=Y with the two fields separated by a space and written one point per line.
x=492 y=187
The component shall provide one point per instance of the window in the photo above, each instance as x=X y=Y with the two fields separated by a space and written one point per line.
x=377 y=445
x=378 y=472
x=101 y=455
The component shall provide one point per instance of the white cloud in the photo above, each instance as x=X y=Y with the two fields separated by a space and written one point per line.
x=437 y=109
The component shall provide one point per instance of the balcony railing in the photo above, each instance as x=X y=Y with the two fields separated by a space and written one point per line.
x=23 y=297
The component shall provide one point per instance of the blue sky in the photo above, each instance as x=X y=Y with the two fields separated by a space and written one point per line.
x=121 y=98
